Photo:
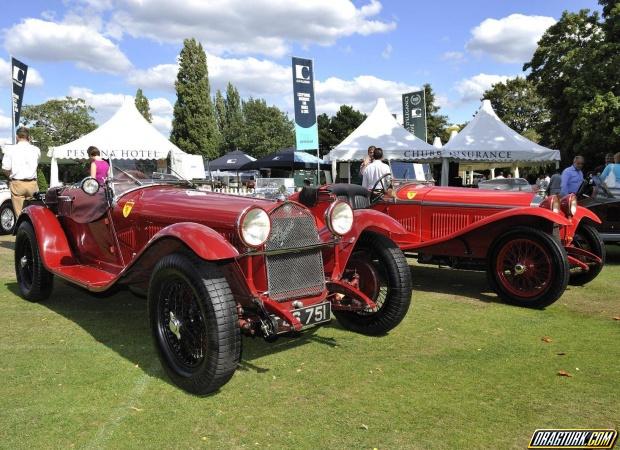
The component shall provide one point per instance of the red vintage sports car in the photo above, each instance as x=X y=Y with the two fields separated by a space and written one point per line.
x=214 y=265
x=528 y=245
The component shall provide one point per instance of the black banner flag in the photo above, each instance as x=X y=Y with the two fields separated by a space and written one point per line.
x=18 y=75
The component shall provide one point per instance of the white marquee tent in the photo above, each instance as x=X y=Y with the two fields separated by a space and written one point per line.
x=127 y=135
x=487 y=138
x=381 y=129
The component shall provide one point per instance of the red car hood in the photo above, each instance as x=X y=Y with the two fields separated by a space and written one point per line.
x=452 y=195
x=173 y=204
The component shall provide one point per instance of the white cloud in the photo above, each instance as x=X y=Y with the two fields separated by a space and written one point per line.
x=361 y=92
x=472 y=88
x=33 y=78
x=253 y=77
x=5 y=124
x=161 y=106
x=105 y=104
x=163 y=124
x=266 y=27
x=387 y=51
x=50 y=41
x=264 y=78
x=511 y=39
x=453 y=57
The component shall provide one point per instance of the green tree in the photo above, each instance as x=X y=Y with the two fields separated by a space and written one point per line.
x=266 y=130
x=142 y=104
x=332 y=131
x=58 y=121
x=233 y=131
x=436 y=123
x=575 y=69
x=194 y=124
x=327 y=139
x=519 y=106
x=220 y=114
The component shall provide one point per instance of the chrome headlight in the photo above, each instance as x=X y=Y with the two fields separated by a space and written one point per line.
x=90 y=185
x=555 y=204
x=569 y=204
x=339 y=218
x=254 y=227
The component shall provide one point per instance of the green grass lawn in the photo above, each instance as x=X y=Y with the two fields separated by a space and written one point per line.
x=461 y=371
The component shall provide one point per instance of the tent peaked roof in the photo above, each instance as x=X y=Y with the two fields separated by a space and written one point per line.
x=381 y=129
x=126 y=135
x=486 y=137
x=231 y=161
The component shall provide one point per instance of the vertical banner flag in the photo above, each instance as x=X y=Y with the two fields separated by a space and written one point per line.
x=18 y=77
x=414 y=113
x=306 y=130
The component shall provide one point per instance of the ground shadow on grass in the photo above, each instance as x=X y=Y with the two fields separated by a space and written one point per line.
x=613 y=254
x=461 y=283
x=10 y=245
x=119 y=321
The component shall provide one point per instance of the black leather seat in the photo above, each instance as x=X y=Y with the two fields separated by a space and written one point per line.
x=357 y=196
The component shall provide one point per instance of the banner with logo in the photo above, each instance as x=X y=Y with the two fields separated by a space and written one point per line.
x=306 y=129
x=18 y=75
x=414 y=114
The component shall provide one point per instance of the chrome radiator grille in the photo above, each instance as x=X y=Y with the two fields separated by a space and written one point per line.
x=294 y=274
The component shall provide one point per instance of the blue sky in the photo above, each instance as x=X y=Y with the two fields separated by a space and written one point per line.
x=101 y=50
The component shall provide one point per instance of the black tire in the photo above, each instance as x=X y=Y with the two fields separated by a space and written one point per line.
x=34 y=280
x=201 y=348
x=588 y=238
x=548 y=275
x=7 y=218
x=394 y=297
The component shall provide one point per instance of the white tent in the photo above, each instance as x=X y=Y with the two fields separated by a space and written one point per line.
x=487 y=138
x=381 y=129
x=126 y=135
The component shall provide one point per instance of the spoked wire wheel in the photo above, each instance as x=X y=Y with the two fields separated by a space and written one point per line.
x=181 y=324
x=528 y=267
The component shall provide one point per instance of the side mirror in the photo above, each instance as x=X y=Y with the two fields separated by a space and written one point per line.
x=89 y=185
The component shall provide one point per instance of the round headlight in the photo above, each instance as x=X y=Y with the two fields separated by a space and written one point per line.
x=90 y=186
x=254 y=227
x=339 y=218
x=555 y=204
x=573 y=204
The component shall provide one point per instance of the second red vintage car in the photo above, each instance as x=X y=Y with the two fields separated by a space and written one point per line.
x=214 y=266
x=529 y=246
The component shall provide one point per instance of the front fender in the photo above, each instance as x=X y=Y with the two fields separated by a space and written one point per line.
x=53 y=245
x=371 y=220
x=584 y=213
x=207 y=243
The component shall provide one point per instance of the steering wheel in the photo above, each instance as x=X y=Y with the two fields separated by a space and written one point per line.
x=380 y=188
x=586 y=188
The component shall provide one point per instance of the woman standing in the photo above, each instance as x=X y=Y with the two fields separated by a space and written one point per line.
x=611 y=175
x=98 y=167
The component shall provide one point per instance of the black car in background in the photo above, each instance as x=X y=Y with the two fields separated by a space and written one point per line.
x=605 y=203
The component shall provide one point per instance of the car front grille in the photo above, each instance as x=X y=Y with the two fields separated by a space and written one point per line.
x=293 y=274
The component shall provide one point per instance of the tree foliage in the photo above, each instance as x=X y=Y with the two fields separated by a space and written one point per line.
x=194 y=125
x=58 y=121
x=266 y=128
x=333 y=130
x=575 y=69
x=142 y=104
x=519 y=106
x=230 y=119
x=436 y=124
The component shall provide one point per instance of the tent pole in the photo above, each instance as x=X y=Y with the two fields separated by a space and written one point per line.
x=54 y=172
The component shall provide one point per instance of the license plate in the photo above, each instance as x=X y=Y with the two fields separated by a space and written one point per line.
x=309 y=316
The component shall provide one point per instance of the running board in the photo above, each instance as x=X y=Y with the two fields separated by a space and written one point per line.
x=93 y=279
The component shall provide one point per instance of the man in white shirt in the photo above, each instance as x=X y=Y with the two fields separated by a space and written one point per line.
x=20 y=163
x=375 y=170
